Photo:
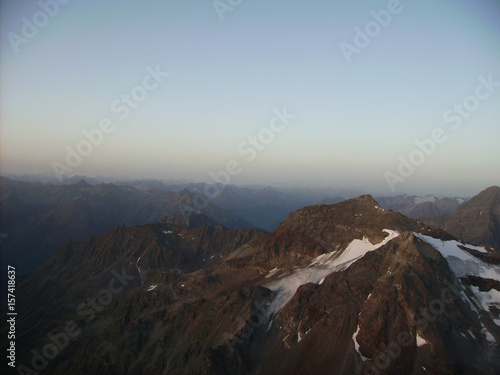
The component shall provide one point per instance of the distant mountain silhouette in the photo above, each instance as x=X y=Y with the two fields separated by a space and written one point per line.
x=40 y=218
x=417 y=207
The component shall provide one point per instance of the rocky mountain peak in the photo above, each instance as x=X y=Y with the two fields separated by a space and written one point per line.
x=189 y=221
x=365 y=199
x=487 y=199
x=82 y=183
x=476 y=221
x=340 y=223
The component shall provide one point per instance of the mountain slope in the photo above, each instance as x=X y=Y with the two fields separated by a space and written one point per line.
x=476 y=221
x=349 y=288
x=40 y=218
x=396 y=310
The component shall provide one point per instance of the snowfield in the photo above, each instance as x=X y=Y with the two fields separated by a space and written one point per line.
x=464 y=264
x=320 y=267
x=461 y=262
x=427 y=198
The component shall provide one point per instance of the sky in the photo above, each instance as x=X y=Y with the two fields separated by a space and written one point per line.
x=390 y=97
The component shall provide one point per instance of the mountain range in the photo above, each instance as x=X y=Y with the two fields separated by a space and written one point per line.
x=40 y=218
x=417 y=207
x=345 y=288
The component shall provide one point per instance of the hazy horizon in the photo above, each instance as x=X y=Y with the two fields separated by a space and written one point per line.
x=443 y=193
x=206 y=80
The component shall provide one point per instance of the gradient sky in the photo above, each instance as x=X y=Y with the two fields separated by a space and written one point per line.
x=227 y=76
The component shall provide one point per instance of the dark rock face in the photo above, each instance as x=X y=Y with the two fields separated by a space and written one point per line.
x=381 y=297
x=477 y=221
x=341 y=223
x=168 y=299
x=189 y=221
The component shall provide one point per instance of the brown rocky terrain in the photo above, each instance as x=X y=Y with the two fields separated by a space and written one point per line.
x=314 y=296
x=383 y=295
x=476 y=221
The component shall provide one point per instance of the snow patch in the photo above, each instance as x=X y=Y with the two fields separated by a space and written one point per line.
x=167 y=231
x=273 y=272
x=287 y=284
x=358 y=248
x=489 y=336
x=471 y=334
x=467 y=300
x=270 y=325
x=486 y=299
x=460 y=261
x=151 y=287
x=421 y=341
x=356 y=345
x=427 y=198
x=481 y=249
